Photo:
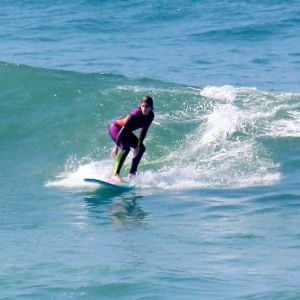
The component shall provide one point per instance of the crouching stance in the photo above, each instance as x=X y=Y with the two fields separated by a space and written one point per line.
x=121 y=131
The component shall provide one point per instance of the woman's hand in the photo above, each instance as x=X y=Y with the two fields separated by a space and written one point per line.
x=114 y=151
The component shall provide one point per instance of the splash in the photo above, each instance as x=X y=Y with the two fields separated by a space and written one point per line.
x=287 y=127
x=223 y=150
x=226 y=92
x=74 y=178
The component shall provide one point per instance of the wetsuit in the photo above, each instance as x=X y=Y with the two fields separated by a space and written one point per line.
x=123 y=136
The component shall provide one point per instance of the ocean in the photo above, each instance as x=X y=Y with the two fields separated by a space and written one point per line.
x=215 y=214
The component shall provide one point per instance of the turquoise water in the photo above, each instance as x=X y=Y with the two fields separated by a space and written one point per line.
x=215 y=213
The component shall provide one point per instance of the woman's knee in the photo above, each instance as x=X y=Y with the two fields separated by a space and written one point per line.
x=142 y=148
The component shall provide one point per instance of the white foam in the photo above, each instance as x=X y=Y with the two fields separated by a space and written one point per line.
x=75 y=178
x=238 y=164
x=226 y=92
x=286 y=127
x=222 y=122
x=208 y=175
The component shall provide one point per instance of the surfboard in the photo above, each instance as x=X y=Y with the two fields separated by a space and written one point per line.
x=121 y=185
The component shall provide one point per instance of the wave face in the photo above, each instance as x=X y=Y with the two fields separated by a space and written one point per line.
x=55 y=122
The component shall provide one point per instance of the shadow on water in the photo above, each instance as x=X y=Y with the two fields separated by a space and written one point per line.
x=121 y=207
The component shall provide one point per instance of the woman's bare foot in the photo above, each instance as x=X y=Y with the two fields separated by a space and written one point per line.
x=117 y=177
x=131 y=176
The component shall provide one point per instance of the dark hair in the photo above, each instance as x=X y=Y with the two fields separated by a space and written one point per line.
x=148 y=100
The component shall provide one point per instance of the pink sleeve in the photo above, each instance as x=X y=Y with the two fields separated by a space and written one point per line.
x=135 y=111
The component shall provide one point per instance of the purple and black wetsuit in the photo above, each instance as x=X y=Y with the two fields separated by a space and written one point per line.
x=123 y=136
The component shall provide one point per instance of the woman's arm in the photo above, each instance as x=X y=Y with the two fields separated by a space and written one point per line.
x=124 y=128
x=143 y=134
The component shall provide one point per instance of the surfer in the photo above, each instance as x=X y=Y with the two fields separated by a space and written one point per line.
x=121 y=131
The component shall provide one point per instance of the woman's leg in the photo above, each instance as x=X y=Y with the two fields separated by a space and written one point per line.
x=133 y=141
x=120 y=161
x=124 y=146
x=136 y=160
x=129 y=141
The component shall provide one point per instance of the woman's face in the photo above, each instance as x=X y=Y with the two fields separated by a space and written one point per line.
x=145 y=107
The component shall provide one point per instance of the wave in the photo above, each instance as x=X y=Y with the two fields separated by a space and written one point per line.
x=215 y=136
